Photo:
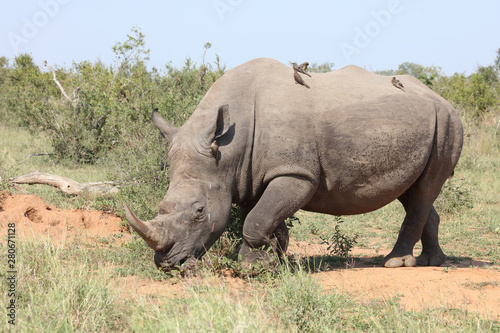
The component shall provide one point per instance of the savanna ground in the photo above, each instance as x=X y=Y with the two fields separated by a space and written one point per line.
x=79 y=269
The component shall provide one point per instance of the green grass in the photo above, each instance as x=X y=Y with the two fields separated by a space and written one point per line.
x=71 y=289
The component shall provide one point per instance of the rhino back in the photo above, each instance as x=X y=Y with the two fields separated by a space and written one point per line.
x=360 y=139
x=363 y=140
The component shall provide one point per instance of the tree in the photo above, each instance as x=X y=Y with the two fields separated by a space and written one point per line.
x=489 y=74
x=321 y=68
x=473 y=93
x=497 y=61
x=426 y=75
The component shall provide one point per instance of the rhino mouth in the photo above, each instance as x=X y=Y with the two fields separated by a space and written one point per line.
x=169 y=261
x=180 y=261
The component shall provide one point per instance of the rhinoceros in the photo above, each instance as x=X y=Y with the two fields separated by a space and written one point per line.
x=350 y=144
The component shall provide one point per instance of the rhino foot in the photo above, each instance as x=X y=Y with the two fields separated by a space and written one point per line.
x=404 y=261
x=261 y=257
x=257 y=261
x=426 y=259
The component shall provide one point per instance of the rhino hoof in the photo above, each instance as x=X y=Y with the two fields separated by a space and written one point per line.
x=258 y=261
x=405 y=261
x=259 y=257
x=431 y=260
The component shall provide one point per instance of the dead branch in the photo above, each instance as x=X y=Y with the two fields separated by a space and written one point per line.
x=203 y=67
x=72 y=100
x=35 y=154
x=68 y=186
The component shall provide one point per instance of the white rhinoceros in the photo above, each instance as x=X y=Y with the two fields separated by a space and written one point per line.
x=350 y=144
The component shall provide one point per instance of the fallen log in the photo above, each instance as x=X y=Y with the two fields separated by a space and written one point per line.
x=68 y=186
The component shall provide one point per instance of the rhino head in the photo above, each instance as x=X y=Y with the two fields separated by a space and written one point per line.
x=195 y=211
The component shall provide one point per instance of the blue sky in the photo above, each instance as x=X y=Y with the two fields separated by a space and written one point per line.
x=456 y=35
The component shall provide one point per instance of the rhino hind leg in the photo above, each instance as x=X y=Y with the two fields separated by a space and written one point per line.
x=421 y=223
x=431 y=255
x=265 y=235
x=410 y=233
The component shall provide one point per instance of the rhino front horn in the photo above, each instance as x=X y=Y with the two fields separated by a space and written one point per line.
x=145 y=231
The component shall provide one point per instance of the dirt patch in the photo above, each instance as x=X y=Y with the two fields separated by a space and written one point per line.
x=467 y=285
x=35 y=219
x=476 y=290
x=134 y=287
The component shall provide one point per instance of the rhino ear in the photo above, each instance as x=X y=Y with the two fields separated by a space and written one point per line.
x=218 y=126
x=167 y=131
x=222 y=121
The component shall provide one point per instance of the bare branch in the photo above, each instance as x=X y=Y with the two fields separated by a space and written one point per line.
x=73 y=101
x=35 y=154
x=203 y=67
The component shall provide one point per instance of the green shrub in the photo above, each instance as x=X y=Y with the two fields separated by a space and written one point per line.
x=474 y=93
x=339 y=244
x=456 y=196
x=91 y=110
x=427 y=75
x=139 y=163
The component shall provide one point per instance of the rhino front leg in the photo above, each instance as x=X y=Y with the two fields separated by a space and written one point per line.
x=279 y=240
x=265 y=234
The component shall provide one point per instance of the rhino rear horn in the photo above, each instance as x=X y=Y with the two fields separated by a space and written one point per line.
x=167 y=130
x=145 y=231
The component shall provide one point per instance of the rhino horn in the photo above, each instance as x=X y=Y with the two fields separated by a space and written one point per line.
x=167 y=131
x=145 y=231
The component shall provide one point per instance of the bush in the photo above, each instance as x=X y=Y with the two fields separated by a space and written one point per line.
x=90 y=111
x=456 y=196
x=474 y=93
x=102 y=114
x=339 y=244
x=139 y=163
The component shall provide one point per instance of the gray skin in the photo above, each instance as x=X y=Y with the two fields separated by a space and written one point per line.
x=349 y=145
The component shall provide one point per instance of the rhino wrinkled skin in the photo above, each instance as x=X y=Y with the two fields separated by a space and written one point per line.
x=350 y=144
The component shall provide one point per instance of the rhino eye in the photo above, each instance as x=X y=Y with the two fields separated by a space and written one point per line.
x=199 y=215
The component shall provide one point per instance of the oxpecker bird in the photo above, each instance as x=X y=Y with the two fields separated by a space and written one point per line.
x=304 y=65
x=397 y=84
x=215 y=151
x=299 y=68
x=299 y=79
